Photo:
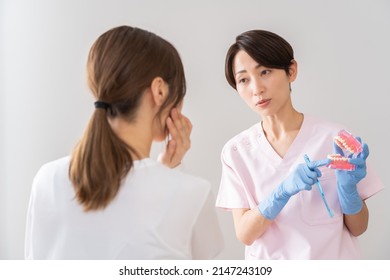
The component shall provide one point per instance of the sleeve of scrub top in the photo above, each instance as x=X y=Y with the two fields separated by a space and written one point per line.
x=207 y=240
x=231 y=190
x=371 y=184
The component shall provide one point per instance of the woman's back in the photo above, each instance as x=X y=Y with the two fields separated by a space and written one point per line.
x=159 y=213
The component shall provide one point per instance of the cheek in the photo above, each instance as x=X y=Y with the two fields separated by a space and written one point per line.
x=241 y=91
x=160 y=128
x=281 y=83
x=163 y=128
x=160 y=131
x=245 y=95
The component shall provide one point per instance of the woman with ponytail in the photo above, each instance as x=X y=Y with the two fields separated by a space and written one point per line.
x=109 y=199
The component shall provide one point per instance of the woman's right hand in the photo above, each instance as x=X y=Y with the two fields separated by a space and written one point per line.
x=179 y=127
x=304 y=176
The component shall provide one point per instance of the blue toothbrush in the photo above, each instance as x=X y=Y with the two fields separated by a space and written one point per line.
x=307 y=160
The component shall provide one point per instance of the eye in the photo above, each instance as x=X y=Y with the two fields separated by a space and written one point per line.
x=242 y=80
x=265 y=72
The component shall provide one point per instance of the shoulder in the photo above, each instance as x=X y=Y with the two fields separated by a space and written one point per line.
x=189 y=180
x=56 y=167
x=242 y=142
x=172 y=178
x=322 y=122
x=322 y=126
x=49 y=175
x=177 y=186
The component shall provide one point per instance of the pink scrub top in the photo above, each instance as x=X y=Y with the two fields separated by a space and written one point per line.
x=251 y=169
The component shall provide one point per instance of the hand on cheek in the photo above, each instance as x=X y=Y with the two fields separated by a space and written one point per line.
x=179 y=128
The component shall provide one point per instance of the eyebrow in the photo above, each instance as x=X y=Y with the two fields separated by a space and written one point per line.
x=243 y=71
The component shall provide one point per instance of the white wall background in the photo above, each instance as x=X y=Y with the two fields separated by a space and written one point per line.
x=342 y=48
x=2 y=148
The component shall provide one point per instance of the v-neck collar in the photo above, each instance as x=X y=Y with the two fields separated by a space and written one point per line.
x=292 y=152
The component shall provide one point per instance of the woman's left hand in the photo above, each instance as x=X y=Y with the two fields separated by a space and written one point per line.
x=179 y=127
x=349 y=197
x=346 y=178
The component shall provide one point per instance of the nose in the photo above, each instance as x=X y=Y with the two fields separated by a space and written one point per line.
x=257 y=87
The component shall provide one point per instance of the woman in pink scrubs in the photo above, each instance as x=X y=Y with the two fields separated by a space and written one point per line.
x=265 y=181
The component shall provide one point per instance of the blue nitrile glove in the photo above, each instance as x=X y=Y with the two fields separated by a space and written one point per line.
x=349 y=198
x=303 y=177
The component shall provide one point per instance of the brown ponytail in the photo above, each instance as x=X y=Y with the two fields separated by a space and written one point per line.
x=121 y=64
x=99 y=163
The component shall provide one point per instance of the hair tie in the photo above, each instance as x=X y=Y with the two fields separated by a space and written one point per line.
x=102 y=105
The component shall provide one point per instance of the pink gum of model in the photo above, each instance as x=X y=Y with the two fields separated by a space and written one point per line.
x=346 y=141
x=339 y=162
x=350 y=146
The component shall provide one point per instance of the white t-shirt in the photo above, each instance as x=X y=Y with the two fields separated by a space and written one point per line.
x=158 y=213
x=251 y=170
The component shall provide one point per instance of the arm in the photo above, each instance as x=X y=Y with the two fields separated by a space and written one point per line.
x=251 y=224
x=357 y=224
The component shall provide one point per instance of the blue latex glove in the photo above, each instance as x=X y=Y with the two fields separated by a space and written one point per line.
x=304 y=176
x=349 y=198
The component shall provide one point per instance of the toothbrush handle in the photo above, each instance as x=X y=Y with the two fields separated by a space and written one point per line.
x=319 y=187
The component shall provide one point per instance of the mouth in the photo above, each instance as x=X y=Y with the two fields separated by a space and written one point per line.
x=263 y=103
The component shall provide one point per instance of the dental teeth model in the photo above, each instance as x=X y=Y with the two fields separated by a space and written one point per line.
x=347 y=142
x=339 y=162
x=350 y=146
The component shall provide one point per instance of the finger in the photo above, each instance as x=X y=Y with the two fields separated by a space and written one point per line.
x=359 y=162
x=308 y=187
x=179 y=125
x=311 y=176
x=167 y=156
x=177 y=118
x=365 y=151
x=319 y=174
x=309 y=181
x=337 y=149
x=183 y=123
x=315 y=164
x=187 y=124
x=182 y=143
x=184 y=128
x=171 y=148
x=364 y=154
x=173 y=131
x=164 y=157
x=312 y=167
x=180 y=128
x=177 y=154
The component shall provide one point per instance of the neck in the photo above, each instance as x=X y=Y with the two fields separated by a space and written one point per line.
x=280 y=125
x=136 y=135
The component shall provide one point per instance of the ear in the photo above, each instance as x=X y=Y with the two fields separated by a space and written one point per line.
x=293 y=70
x=159 y=90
